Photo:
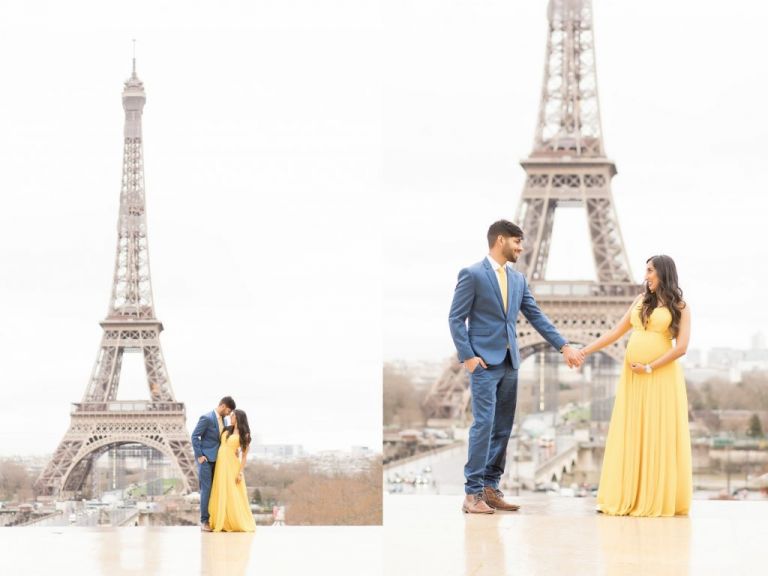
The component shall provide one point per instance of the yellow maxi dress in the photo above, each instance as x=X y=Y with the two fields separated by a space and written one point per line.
x=647 y=463
x=228 y=506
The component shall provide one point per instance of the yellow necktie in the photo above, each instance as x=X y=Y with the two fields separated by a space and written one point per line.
x=502 y=272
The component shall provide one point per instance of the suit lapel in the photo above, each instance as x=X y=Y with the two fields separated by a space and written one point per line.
x=494 y=283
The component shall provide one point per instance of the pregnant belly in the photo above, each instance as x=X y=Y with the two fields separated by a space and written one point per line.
x=645 y=347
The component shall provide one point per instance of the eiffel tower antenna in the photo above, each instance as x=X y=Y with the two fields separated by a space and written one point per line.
x=567 y=167
x=101 y=422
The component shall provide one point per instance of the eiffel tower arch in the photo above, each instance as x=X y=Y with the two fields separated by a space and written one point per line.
x=567 y=167
x=87 y=441
x=99 y=421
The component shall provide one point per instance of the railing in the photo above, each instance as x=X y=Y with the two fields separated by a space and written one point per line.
x=127 y=406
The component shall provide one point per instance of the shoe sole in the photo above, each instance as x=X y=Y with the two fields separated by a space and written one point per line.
x=467 y=511
x=505 y=509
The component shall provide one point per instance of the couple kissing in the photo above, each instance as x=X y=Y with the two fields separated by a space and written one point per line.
x=221 y=451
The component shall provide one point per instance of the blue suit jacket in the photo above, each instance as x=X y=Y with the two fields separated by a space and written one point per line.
x=478 y=299
x=205 y=437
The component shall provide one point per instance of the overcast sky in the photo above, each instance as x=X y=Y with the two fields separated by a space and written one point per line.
x=317 y=172
x=262 y=152
x=682 y=88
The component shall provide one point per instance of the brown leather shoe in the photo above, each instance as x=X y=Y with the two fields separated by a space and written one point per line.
x=495 y=499
x=474 y=504
x=206 y=527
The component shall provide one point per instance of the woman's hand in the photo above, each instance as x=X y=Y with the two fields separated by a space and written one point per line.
x=239 y=477
x=638 y=368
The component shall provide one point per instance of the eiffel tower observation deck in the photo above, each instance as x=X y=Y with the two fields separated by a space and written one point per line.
x=100 y=422
x=567 y=167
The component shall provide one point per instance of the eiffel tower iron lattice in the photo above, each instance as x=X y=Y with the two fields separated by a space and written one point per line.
x=567 y=167
x=100 y=422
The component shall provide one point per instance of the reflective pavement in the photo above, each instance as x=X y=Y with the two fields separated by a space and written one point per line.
x=423 y=536
x=168 y=551
x=428 y=535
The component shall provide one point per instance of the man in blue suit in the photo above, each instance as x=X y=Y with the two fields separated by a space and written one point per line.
x=206 y=438
x=488 y=297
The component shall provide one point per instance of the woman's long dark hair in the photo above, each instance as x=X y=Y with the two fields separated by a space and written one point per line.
x=243 y=429
x=668 y=290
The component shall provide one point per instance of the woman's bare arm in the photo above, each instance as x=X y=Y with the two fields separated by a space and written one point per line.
x=681 y=342
x=243 y=458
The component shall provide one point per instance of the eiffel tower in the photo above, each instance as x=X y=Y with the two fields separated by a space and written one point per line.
x=567 y=167
x=101 y=422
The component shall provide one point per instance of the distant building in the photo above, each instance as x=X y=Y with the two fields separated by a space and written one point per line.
x=756 y=356
x=728 y=364
x=356 y=459
x=278 y=452
x=350 y=462
x=697 y=375
x=755 y=360
x=724 y=358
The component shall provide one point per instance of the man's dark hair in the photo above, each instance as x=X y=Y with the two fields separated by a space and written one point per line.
x=504 y=228
x=228 y=402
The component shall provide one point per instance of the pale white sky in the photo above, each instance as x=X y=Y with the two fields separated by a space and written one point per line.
x=307 y=161
x=262 y=157
x=682 y=88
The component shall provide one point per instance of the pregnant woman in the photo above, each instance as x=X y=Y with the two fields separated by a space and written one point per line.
x=647 y=463
x=229 y=508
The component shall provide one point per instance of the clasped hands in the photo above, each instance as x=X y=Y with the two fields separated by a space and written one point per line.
x=574 y=357
x=638 y=368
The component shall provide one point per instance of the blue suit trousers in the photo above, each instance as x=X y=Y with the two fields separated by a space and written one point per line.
x=494 y=398
x=205 y=473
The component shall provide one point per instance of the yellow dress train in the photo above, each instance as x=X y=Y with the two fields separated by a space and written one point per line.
x=228 y=506
x=647 y=463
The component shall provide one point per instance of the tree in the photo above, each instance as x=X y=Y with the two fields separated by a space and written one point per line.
x=401 y=400
x=15 y=481
x=340 y=499
x=755 y=429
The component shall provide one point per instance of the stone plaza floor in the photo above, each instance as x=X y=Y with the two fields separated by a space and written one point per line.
x=422 y=536
x=172 y=551
x=552 y=535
